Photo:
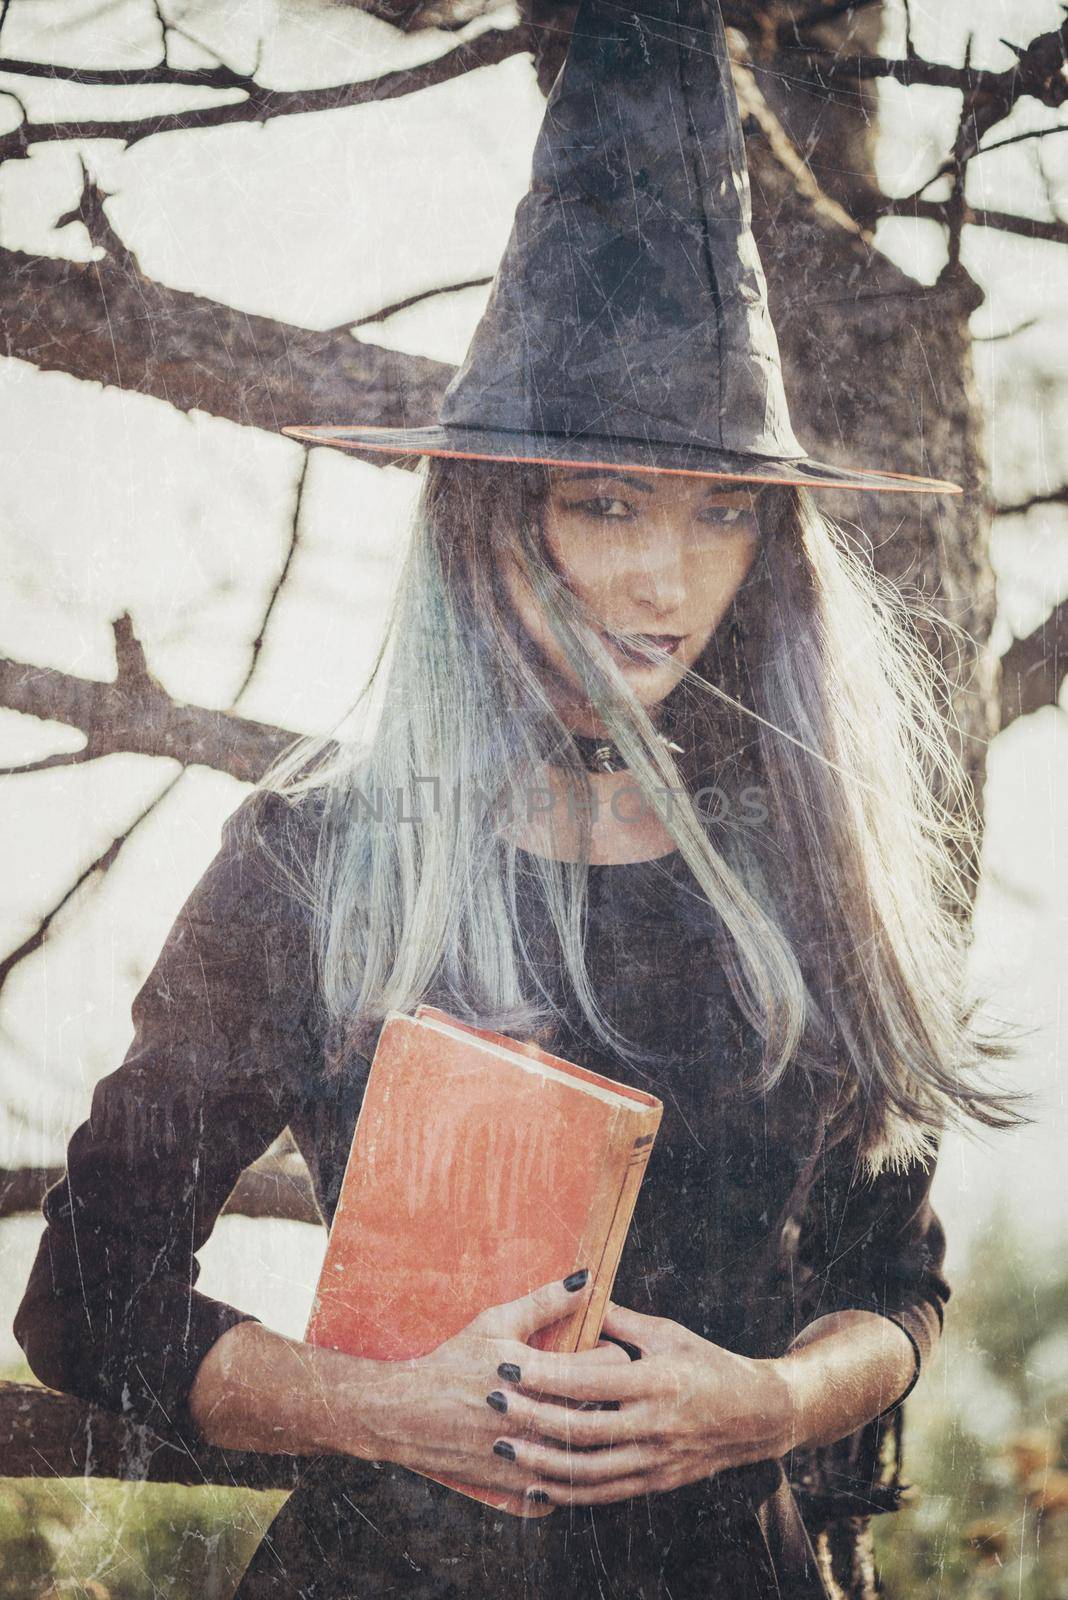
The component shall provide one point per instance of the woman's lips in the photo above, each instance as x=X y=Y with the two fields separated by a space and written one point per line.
x=648 y=649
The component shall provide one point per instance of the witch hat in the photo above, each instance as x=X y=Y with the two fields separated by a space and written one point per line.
x=628 y=324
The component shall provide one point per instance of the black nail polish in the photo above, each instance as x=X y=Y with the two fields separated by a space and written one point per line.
x=497 y=1400
x=539 y=1495
x=624 y=1344
x=503 y=1448
x=577 y=1280
x=508 y=1371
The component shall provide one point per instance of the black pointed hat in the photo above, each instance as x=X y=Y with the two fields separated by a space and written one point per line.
x=628 y=322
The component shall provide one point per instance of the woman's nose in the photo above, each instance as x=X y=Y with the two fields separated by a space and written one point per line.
x=659 y=576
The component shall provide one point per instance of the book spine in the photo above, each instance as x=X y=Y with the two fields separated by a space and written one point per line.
x=590 y=1328
x=602 y=1242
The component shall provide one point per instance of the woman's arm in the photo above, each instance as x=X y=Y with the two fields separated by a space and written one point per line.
x=872 y=1252
x=257 y=1390
x=874 y=1246
x=842 y=1371
x=442 y=1413
x=215 y=1071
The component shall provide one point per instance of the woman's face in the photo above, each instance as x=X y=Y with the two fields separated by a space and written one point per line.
x=658 y=555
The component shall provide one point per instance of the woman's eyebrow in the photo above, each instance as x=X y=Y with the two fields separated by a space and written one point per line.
x=630 y=478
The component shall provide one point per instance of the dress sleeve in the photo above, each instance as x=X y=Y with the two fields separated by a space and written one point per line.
x=221 y=1047
x=875 y=1245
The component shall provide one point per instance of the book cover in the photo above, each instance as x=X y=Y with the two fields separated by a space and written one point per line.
x=518 y=1166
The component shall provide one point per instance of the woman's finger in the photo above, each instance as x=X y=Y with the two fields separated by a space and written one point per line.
x=549 y=1492
x=514 y=1359
x=626 y=1324
x=590 y=1430
x=585 y=1376
x=568 y=1466
x=611 y=1349
x=586 y=1430
x=607 y=1351
x=549 y=1302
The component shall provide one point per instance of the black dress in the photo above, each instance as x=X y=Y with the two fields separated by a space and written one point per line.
x=231 y=1046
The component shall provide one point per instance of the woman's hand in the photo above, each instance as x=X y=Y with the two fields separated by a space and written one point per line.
x=686 y=1409
x=443 y=1413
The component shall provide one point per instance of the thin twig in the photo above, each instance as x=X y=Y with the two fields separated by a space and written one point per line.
x=911 y=53
x=1053 y=232
x=1055 y=497
x=65 y=758
x=294 y=535
x=963 y=154
x=386 y=312
x=1005 y=333
x=266 y=105
x=1019 y=138
x=219 y=77
x=100 y=863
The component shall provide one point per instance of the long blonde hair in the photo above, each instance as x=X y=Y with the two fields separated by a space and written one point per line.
x=843 y=915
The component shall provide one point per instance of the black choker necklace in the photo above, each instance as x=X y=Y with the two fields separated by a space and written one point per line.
x=600 y=754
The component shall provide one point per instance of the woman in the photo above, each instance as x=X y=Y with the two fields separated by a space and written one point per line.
x=669 y=750
x=707 y=969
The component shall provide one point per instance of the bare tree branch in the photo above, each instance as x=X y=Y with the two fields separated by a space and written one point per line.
x=986 y=99
x=66 y=758
x=45 y=1434
x=386 y=312
x=265 y=105
x=1038 y=73
x=277 y=1187
x=964 y=141
x=105 y=321
x=135 y=715
x=1033 y=668
x=218 y=77
x=294 y=535
x=1005 y=333
x=1055 y=497
x=135 y=683
x=101 y=864
x=148 y=709
x=1022 y=138
x=910 y=48
x=1054 y=232
x=969 y=151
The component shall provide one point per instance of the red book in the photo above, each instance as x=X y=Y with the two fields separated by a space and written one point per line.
x=480 y=1167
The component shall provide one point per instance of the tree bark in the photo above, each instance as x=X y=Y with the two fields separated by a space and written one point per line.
x=106 y=322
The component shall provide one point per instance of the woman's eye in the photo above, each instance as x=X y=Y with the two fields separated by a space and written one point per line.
x=603 y=505
x=723 y=516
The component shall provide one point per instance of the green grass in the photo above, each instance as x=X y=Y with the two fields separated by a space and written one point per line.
x=86 y=1539
x=118 y=1541
x=127 y=1541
